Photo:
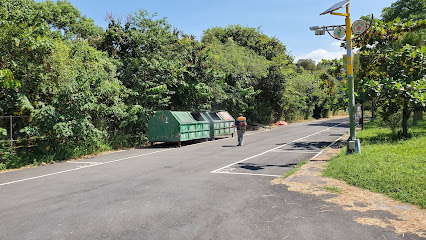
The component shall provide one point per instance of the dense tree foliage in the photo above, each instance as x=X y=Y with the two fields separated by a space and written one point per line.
x=406 y=10
x=307 y=64
x=62 y=15
x=266 y=63
x=67 y=90
x=392 y=62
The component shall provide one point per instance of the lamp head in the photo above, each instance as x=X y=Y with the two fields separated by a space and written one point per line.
x=313 y=28
x=320 y=32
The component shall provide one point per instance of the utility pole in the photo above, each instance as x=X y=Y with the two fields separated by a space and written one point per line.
x=353 y=144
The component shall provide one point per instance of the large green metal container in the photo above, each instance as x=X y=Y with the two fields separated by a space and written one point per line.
x=174 y=126
x=202 y=125
x=229 y=122
x=218 y=125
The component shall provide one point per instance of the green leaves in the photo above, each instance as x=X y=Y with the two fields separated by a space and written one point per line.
x=405 y=10
x=149 y=66
x=62 y=15
x=248 y=58
x=392 y=54
x=7 y=80
x=241 y=63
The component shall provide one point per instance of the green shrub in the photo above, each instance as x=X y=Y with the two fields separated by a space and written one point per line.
x=393 y=121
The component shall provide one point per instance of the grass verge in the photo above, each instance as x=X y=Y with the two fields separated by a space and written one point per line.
x=388 y=165
x=333 y=189
x=296 y=168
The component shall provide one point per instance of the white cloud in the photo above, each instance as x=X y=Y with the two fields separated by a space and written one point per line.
x=319 y=54
x=336 y=44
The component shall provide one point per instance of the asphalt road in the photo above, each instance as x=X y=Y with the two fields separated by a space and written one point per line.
x=208 y=190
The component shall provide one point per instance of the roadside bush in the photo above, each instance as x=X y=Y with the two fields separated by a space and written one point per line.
x=392 y=121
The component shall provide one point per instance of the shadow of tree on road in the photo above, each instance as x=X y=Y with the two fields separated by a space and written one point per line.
x=255 y=167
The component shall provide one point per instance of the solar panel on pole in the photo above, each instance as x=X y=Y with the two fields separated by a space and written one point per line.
x=336 y=6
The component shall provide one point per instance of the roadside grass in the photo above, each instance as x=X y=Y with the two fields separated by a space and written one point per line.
x=296 y=168
x=333 y=189
x=388 y=165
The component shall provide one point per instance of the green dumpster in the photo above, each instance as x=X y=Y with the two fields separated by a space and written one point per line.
x=175 y=126
x=202 y=125
x=229 y=122
x=218 y=125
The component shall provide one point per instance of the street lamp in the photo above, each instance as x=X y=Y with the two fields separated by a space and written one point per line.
x=360 y=27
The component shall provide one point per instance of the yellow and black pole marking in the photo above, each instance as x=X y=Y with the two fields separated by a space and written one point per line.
x=353 y=145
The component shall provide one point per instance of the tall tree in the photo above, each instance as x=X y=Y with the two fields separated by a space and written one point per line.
x=148 y=66
x=270 y=87
x=164 y=68
x=25 y=40
x=62 y=15
x=406 y=10
x=307 y=64
x=392 y=71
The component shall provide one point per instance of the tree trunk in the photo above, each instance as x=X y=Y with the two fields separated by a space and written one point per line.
x=405 y=117
x=415 y=118
x=373 y=111
x=361 y=121
x=418 y=115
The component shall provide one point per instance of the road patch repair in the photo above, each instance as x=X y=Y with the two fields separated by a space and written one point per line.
x=374 y=209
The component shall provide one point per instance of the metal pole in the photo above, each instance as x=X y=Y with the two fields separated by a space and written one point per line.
x=11 y=130
x=353 y=143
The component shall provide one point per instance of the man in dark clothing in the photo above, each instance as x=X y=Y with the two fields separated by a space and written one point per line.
x=241 y=125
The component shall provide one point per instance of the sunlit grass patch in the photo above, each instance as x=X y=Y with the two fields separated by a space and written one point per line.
x=333 y=189
x=387 y=165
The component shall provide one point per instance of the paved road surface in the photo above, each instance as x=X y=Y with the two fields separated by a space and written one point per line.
x=209 y=190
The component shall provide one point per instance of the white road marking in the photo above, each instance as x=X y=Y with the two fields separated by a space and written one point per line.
x=326 y=148
x=253 y=133
x=293 y=151
x=83 y=167
x=227 y=170
x=270 y=150
x=335 y=142
x=84 y=162
x=316 y=155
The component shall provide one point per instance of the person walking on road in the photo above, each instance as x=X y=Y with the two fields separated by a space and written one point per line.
x=241 y=125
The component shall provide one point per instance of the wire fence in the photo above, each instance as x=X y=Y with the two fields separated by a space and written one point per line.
x=13 y=125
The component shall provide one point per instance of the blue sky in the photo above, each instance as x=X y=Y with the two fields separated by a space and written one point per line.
x=288 y=20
